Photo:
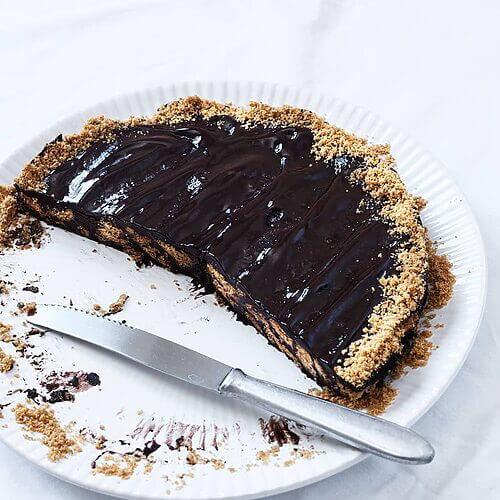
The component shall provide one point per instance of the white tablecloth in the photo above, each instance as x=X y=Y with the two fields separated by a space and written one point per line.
x=431 y=68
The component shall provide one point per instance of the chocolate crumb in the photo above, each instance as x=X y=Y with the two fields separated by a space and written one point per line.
x=93 y=379
x=32 y=394
x=32 y=289
x=59 y=396
x=149 y=448
x=71 y=382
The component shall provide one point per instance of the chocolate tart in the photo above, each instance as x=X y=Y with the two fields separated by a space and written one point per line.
x=305 y=230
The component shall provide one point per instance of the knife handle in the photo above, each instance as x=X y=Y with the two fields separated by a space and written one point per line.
x=360 y=430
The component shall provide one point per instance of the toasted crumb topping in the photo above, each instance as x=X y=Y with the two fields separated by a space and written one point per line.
x=42 y=419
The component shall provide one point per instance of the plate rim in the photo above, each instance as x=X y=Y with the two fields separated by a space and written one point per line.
x=90 y=110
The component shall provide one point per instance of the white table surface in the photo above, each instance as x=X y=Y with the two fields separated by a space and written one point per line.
x=430 y=67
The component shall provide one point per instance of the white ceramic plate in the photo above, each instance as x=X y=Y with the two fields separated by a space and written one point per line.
x=131 y=397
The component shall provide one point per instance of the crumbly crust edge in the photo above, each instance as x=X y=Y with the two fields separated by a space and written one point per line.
x=402 y=292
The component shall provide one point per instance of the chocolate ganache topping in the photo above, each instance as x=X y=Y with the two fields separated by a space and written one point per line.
x=305 y=243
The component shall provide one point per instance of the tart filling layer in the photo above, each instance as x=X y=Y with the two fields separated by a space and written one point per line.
x=305 y=230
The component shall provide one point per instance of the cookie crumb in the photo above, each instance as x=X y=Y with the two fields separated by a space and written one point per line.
x=304 y=453
x=148 y=468
x=19 y=344
x=6 y=362
x=264 y=455
x=122 y=466
x=194 y=458
x=217 y=463
x=4 y=332
x=29 y=309
x=42 y=420
x=441 y=279
x=100 y=443
x=118 y=305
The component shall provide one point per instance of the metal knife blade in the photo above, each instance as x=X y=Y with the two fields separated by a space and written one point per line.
x=372 y=434
x=143 y=347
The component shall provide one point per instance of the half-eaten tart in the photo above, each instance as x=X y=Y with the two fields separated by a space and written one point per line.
x=305 y=230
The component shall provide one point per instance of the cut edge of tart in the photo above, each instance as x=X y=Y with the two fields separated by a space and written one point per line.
x=392 y=321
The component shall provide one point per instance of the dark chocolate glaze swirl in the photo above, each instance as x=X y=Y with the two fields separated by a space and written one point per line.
x=279 y=224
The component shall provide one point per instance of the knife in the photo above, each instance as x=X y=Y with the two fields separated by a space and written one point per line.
x=360 y=430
